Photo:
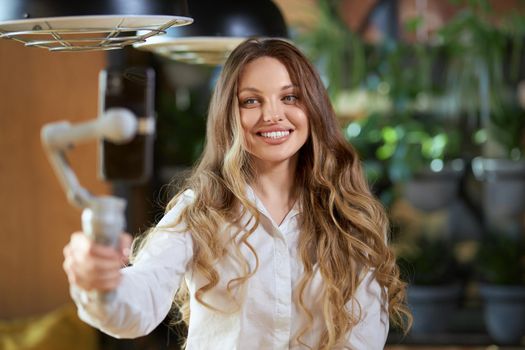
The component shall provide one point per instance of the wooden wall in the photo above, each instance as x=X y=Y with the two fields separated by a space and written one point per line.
x=37 y=87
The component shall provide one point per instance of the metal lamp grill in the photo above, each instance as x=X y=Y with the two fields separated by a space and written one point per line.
x=113 y=33
x=59 y=25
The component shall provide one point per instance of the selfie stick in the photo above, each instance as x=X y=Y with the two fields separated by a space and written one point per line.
x=103 y=217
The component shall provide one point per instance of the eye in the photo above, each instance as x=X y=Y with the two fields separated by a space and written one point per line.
x=290 y=99
x=249 y=102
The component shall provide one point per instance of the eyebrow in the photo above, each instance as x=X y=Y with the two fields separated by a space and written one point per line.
x=249 y=88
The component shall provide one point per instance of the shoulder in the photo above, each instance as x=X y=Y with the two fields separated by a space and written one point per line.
x=177 y=205
x=369 y=286
x=168 y=234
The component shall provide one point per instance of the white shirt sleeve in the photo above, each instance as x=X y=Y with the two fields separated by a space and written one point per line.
x=372 y=330
x=145 y=294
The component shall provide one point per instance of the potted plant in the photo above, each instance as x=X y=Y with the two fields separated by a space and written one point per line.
x=339 y=53
x=414 y=149
x=501 y=270
x=415 y=141
x=429 y=265
x=483 y=80
x=423 y=157
x=387 y=96
x=181 y=121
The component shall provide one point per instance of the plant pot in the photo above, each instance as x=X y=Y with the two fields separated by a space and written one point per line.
x=433 y=190
x=504 y=312
x=433 y=307
x=503 y=192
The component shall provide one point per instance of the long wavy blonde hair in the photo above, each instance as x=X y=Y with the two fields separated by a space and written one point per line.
x=343 y=228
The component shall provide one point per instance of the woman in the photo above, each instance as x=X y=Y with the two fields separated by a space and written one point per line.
x=276 y=242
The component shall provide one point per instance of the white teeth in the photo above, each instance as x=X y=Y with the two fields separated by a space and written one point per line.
x=275 y=134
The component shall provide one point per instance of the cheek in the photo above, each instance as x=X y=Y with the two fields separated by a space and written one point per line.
x=303 y=121
x=307 y=124
x=248 y=121
x=247 y=127
x=244 y=126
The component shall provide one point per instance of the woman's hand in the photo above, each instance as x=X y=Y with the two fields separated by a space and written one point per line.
x=92 y=266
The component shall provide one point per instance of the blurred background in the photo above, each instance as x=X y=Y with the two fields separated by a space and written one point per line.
x=430 y=92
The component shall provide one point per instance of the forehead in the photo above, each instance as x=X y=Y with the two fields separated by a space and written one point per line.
x=264 y=71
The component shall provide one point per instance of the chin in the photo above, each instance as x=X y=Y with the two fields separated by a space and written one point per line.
x=275 y=158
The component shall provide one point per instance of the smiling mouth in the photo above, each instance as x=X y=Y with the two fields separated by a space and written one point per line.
x=275 y=134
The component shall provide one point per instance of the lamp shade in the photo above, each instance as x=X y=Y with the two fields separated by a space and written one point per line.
x=218 y=28
x=61 y=25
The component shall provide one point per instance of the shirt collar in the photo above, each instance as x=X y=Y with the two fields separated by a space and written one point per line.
x=252 y=196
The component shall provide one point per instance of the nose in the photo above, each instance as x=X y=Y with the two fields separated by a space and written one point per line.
x=272 y=113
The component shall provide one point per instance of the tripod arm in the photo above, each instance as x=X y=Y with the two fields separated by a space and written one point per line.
x=117 y=125
x=103 y=217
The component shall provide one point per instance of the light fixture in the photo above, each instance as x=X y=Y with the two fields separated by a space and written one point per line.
x=65 y=25
x=218 y=28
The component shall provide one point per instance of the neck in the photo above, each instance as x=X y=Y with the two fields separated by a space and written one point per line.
x=276 y=180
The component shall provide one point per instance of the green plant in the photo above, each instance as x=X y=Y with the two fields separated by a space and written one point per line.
x=418 y=134
x=483 y=74
x=406 y=145
x=412 y=106
x=501 y=259
x=428 y=261
x=387 y=97
x=181 y=131
x=338 y=53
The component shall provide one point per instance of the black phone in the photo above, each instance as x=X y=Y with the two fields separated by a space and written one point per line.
x=131 y=88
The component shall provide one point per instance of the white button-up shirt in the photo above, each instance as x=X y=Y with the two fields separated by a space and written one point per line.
x=268 y=318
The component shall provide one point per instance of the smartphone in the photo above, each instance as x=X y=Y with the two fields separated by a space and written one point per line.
x=131 y=88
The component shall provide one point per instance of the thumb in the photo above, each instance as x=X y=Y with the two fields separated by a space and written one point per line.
x=125 y=247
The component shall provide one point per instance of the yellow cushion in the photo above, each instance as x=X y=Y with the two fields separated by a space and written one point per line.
x=60 y=329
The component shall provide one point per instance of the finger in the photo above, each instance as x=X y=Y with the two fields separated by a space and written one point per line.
x=125 y=241
x=66 y=251
x=77 y=236
x=87 y=279
x=73 y=238
x=100 y=282
x=66 y=266
x=71 y=275
x=96 y=250
x=108 y=285
x=80 y=242
x=103 y=252
x=108 y=277
x=125 y=247
x=94 y=265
